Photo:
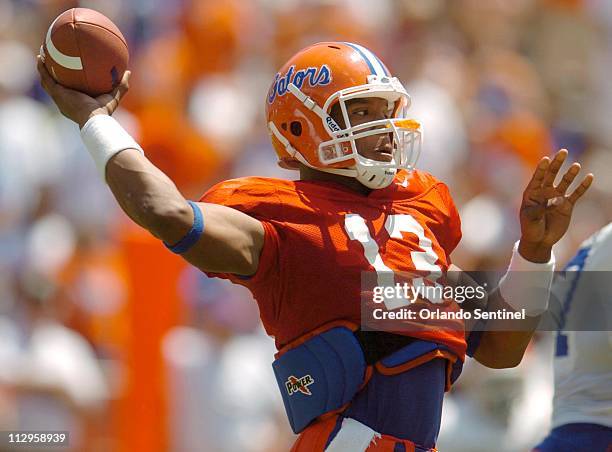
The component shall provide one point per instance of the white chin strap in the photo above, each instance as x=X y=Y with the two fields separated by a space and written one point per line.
x=375 y=177
x=371 y=177
x=293 y=152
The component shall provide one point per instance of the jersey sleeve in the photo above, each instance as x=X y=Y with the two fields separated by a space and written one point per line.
x=260 y=202
x=451 y=235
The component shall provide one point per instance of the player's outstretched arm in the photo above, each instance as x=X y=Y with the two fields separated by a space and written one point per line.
x=545 y=215
x=229 y=242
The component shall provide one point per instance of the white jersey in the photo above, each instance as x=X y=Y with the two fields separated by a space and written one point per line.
x=583 y=359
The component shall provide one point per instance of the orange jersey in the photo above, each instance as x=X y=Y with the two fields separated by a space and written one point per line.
x=320 y=236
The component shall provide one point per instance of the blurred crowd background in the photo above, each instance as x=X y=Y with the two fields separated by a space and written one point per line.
x=105 y=334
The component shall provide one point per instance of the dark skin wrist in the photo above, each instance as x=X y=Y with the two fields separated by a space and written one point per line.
x=533 y=252
x=82 y=120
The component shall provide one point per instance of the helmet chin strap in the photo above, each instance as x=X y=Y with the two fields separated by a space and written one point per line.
x=293 y=152
x=371 y=176
x=375 y=177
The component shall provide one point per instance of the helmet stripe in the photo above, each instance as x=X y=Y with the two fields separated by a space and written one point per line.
x=375 y=65
x=372 y=55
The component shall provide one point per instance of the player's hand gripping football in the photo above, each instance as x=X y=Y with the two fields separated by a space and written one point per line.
x=78 y=106
x=546 y=209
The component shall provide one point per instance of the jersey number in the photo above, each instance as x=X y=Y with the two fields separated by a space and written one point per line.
x=425 y=260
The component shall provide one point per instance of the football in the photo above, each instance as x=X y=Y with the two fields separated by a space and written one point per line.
x=84 y=50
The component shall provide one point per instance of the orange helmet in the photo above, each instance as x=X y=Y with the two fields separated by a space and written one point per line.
x=302 y=95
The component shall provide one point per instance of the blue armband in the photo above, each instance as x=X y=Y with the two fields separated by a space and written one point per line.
x=192 y=237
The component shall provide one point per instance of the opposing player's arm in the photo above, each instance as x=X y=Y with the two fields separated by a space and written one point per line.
x=230 y=241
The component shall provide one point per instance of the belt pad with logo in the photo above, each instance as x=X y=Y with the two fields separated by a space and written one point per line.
x=320 y=375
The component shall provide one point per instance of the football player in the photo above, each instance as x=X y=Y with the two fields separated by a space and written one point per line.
x=336 y=114
x=582 y=404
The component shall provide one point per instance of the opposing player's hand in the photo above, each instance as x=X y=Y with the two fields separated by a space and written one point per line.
x=78 y=106
x=547 y=209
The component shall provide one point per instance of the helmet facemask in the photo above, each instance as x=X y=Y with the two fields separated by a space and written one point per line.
x=404 y=134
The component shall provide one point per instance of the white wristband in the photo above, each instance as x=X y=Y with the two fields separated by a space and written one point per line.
x=526 y=285
x=104 y=137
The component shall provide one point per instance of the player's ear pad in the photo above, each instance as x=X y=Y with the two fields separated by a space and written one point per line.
x=320 y=375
